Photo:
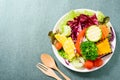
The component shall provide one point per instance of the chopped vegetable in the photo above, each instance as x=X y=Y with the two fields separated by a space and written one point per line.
x=89 y=13
x=61 y=38
x=93 y=33
x=81 y=60
x=104 y=47
x=105 y=31
x=100 y=16
x=88 y=64
x=98 y=62
x=106 y=20
x=79 y=39
x=111 y=34
x=58 y=45
x=81 y=22
x=68 y=45
x=86 y=12
x=89 y=50
x=78 y=62
x=102 y=19
x=63 y=54
x=69 y=48
x=52 y=36
x=69 y=16
x=65 y=30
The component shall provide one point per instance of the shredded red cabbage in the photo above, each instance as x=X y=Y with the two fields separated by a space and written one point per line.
x=112 y=34
x=67 y=62
x=81 y=22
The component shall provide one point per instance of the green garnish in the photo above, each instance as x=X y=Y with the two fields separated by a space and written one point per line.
x=100 y=16
x=62 y=53
x=89 y=50
x=105 y=20
x=102 y=19
x=52 y=37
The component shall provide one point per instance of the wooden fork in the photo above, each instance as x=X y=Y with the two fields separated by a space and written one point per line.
x=48 y=71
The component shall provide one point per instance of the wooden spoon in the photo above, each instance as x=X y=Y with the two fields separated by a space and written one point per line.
x=49 y=61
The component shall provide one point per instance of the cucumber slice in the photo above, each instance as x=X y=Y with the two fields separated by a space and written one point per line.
x=78 y=62
x=93 y=33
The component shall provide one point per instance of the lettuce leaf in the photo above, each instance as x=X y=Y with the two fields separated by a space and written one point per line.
x=100 y=16
x=63 y=54
x=69 y=16
x=65 y=30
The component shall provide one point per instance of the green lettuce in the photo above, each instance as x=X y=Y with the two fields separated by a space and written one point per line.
x=65 y=30
x=100 y=16
x=68 y=17
x=63 y=54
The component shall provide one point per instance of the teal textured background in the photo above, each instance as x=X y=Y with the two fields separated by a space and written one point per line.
x=24 y=25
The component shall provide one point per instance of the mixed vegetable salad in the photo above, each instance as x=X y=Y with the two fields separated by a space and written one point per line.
x=83 y=38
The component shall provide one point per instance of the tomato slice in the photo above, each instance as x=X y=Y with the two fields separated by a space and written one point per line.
x=98 y=62
x=89 y=64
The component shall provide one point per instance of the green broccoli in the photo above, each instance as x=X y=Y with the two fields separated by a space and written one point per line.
x=89 y=50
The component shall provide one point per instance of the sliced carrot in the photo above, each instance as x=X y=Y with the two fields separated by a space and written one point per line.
x=89 y=64
x=105 y=31
x=79 y=38
x=58 y=45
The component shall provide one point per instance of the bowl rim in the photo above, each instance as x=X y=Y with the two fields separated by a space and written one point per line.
x=62 y=61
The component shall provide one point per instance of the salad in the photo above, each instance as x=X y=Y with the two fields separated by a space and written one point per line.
x=83 y=38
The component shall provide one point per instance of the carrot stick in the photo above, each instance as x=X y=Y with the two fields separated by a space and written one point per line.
x=58 y=45
x=105 y=31
x=79 y=39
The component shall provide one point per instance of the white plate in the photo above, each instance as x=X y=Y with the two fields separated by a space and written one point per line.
x=105 y=59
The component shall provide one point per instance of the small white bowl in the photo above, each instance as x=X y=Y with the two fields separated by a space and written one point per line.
x=69 y=66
